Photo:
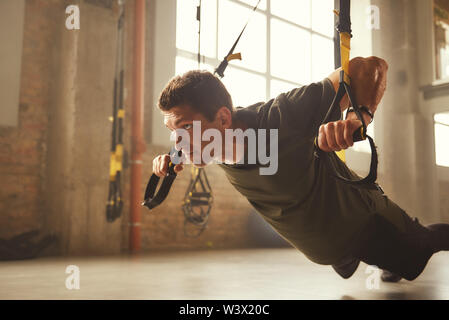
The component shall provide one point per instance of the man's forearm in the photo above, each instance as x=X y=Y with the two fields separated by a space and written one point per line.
x=368 y=81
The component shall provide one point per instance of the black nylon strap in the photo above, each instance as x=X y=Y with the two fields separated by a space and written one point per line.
x=370 y=180
x=150 y=199
x=223 y=65
x=344 y=21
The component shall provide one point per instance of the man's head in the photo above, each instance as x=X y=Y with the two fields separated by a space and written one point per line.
x=196 y=96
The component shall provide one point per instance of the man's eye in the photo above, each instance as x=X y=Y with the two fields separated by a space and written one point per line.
x=187 y=126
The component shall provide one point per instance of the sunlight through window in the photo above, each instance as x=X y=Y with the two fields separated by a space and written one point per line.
x=288 y=43
x=442 y=138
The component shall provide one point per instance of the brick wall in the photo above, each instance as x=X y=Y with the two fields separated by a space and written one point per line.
x=23 y=148
x=163 y=227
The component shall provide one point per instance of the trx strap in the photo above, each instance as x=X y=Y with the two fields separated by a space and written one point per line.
x=153 y=199
x=198 y=198
x=197 y=201
x=114 y=205
x=150 y=199
x=231 y=56
x=344 y=30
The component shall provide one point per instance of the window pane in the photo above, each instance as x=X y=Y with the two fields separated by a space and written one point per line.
x=278 y=87
x=252 y=44
x=187 y=26
x=322 y=57
x=441 y=139
x=442 y=118
x=297 y=11
x=441 y=33
x=290 y=52
x=208 y=28
x=246 y=88
x=252 y=3
x=323 y=17
x=184 y=64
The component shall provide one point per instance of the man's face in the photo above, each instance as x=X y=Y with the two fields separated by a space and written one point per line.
x=182 y=117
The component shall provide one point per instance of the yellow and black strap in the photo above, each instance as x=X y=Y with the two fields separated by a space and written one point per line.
x=345 y=35
x=114 y=204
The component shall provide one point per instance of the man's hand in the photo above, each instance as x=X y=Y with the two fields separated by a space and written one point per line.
x=160 y=165
x=337 y=135
x=368 y=81
x=368 y=84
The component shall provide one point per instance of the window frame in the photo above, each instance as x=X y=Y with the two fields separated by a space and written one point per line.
x=435 y=123
x=436 y=81
x=267 y=74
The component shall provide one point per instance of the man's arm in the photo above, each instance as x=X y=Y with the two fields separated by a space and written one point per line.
x=368 y=83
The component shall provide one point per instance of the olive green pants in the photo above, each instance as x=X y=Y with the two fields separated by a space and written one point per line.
x=404 y=253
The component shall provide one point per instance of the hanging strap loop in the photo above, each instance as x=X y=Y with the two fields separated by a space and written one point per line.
x=153 y=199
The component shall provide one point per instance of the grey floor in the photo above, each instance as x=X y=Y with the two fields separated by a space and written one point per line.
x=226 y=274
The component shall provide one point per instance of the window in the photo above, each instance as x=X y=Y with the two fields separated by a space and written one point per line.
x=442 y=138
x=441 y=34
x=287 y=43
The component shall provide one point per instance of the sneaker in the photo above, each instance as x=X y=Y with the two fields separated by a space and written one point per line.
x=388 y=276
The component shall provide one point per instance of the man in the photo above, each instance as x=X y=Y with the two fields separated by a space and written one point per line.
x=331 y=222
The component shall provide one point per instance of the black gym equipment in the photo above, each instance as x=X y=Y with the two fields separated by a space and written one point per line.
x=114 y=205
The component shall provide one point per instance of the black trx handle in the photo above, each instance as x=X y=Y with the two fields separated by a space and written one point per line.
x=150 y=199
x=231 y=56
x=344 y=31
x=360 y=134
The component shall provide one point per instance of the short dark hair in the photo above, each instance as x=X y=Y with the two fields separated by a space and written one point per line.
x=199 y=89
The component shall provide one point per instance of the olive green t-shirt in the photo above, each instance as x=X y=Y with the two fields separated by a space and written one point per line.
x=317 y=214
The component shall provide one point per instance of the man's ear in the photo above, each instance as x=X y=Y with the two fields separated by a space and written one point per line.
x=224 y=116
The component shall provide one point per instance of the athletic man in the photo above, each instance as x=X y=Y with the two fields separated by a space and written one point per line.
x=331 y=222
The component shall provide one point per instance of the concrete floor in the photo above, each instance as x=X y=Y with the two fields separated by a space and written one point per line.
x=228 y=274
